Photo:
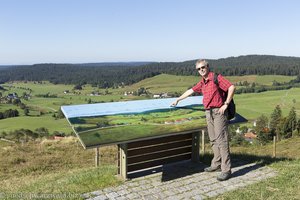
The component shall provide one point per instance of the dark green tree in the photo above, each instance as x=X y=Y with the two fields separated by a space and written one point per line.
x=237 y=140
x=261 y=123
x=106 y=75
x=24 y=94
x=3 y=134
x=290 y=123
x=42 y=132
x=22 y=106
x=244 y=129
x=276 y=117
x=262 y=130
x=141 y=90
x=26 y=111
x=298 y=126
x=22 y=135
x=60 y=114
x=283 y=127
x=292 y=117
x=143 y=119
x=77 y=87
x=16 y=101
x=262 y=137
x=89 y=101
x=10 y=113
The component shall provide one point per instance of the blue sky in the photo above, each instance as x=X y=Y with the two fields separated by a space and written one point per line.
x=79 y=31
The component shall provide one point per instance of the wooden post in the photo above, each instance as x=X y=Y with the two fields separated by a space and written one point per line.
x=196 y=147
x=274 y=146
x=97 y=157
x=203 y=142
x=123 y=160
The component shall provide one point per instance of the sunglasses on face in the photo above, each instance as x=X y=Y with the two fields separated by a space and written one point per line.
x=203 y=67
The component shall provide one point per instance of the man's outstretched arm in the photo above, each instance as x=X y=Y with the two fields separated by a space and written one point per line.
x=183 y=96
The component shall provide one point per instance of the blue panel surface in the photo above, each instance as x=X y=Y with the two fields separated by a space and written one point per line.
x=126 y=107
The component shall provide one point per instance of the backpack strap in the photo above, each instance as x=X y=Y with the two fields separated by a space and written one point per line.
x=231 y=106
x=216 y=79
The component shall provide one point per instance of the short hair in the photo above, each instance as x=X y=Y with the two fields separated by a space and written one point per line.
x=203 y=62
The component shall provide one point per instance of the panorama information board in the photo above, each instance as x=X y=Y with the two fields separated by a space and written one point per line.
x=121 y=122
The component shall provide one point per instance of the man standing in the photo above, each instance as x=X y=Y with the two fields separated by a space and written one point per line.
x=215 y=104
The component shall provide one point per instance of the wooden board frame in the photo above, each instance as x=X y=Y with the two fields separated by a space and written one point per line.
x=148 y=153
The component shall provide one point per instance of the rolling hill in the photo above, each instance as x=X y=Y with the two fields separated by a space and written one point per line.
x=127 y=74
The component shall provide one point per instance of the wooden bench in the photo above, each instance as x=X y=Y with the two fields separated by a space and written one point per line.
x=145 y=154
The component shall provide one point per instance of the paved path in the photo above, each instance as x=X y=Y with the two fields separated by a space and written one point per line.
x=185 y=180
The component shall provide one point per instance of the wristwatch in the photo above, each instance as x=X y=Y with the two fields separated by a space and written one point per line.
x=226 y=103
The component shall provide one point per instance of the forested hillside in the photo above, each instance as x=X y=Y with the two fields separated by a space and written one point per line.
x=109 y=75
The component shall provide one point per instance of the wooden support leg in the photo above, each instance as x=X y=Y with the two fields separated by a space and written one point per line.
x=123 y=160
x=196 y=147
x=203 y=142
x=274 y=147
x=97 y=162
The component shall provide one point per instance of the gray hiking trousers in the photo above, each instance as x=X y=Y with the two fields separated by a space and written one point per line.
x=217 y=126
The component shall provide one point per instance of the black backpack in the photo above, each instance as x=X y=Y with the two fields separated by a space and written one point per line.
x=231 y=105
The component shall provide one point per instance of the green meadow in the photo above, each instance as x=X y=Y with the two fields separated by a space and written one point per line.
x=172 y=83
x=33 y=123
x=41 y=109
x=261 y=80
x=62 y=166
x=253 y=105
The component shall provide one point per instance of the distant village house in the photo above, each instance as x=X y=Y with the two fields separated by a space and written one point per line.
x=250 y=136
x=94 y=94
x=162 y=95
x=12 y=96
x=128 y=93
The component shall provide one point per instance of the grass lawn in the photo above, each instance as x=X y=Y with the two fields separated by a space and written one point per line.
x=253 y=105
x=4 y=107
x=286 y=185
x=32 y=123
x=261 y=80
x=62 y=167
x=55 y=167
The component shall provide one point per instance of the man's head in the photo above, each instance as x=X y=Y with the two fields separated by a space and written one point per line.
x=203 y=67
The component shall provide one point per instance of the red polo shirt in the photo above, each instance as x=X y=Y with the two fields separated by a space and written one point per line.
x=212 y=97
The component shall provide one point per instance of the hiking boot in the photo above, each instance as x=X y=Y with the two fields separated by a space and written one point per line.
x=224 y=176
x=211 y=169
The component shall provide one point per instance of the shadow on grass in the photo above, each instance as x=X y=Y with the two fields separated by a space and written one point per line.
x=186 y=168
x=239 y=160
